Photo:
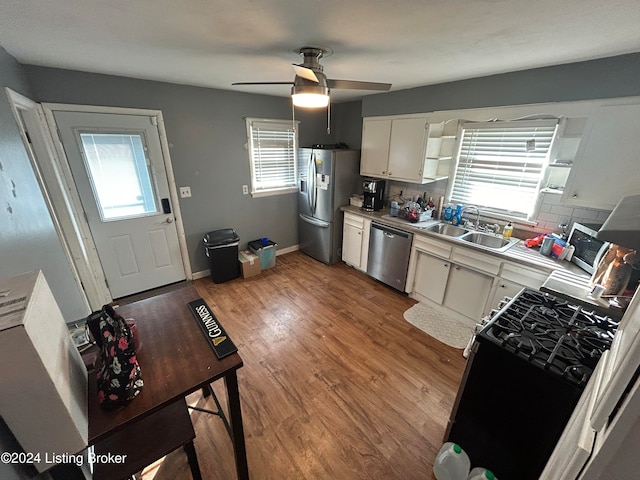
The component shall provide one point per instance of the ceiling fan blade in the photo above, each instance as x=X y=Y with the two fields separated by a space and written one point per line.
x=262 y=83
x=305 y=73
x=356 y=85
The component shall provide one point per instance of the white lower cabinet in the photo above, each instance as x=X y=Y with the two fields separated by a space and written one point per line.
x=431 y=276
x=514 y=278
x=464 y=290
x=467 y=291
x=355 y=241
x=464 y=280
x=351 y=244
x=503 y=288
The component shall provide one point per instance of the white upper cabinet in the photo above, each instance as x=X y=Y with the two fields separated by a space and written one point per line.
x=407 y=148
x=374 y=157
x=402 y=148
x=607 y=165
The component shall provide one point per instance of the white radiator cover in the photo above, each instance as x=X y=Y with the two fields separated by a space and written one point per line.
x=43 y=381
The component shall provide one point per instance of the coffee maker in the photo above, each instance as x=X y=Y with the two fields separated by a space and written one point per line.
x=373 y=190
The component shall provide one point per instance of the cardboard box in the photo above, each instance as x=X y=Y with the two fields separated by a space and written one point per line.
x=249 y=264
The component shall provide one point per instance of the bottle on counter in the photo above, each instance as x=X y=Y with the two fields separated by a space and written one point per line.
x=457 y=216
x=547 y=245
x=570 y=251
x=447 y=215
x=508 y=230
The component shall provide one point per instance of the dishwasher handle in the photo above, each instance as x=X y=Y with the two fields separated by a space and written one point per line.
x=390 y=231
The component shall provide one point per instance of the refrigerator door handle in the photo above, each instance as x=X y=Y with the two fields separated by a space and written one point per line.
x=314 y=221
x=312 y=183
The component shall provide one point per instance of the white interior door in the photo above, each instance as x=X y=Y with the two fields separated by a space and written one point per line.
x=119 y=171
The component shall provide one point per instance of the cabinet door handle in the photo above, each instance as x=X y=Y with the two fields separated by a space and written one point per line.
x=457 y=268
x=575 y=195
x=390 y=172
x=384 y=172
x=446 y=264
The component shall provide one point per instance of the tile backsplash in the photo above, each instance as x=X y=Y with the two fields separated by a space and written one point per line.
x=550 y=212
x=412 y=190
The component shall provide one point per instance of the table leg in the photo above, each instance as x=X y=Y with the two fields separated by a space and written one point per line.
x=190 y=449
x=235 y=418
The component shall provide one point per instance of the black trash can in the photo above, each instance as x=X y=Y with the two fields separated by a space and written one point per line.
x=221 y=246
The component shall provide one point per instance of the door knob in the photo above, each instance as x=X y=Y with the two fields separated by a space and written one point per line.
x=169 y=220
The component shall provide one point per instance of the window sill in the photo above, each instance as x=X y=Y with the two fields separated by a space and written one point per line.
x=269 y=193
x=484 y=214
x=557 y=191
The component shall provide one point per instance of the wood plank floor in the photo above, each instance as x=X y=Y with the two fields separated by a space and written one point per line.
x=335 y=383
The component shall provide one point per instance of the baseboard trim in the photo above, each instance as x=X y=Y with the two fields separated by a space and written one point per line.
x=283 y=251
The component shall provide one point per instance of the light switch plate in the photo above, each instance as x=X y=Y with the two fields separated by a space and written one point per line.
x=245 y=189
x=185 y=192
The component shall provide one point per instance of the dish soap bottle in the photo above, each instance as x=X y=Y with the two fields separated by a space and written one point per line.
x=508 y=230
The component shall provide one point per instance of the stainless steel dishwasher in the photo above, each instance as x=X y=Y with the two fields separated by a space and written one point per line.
x=389 y=250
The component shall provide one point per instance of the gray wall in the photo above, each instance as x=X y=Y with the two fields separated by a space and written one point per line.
x=604 y=78
x=207 y=136
x=27 y=238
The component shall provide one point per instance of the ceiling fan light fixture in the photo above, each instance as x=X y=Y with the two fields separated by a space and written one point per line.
x=310 y=96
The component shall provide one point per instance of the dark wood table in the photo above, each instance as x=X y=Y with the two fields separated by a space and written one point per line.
x=175 y=360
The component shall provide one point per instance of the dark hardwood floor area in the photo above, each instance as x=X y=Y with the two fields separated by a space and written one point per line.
x=335 y=383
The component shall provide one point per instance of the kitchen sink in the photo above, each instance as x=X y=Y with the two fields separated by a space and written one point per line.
x=489 y=241
x=446 y=229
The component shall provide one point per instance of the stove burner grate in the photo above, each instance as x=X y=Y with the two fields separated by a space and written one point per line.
x=552 y=333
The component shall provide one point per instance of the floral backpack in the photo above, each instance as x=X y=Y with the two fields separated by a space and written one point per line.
x=118 y=375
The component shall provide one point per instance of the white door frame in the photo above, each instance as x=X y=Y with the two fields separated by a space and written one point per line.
x=156 y=115
x=61 y=195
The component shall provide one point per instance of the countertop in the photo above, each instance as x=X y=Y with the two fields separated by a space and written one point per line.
x=518 y=253
x=565 y=280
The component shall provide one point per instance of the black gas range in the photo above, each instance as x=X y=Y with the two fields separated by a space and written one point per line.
x=524 y=376
x=564 y=339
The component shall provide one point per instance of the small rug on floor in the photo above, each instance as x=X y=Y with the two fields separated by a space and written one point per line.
x=439 y=325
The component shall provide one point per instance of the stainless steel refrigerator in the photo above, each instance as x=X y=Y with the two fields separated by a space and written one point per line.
x=326 y=180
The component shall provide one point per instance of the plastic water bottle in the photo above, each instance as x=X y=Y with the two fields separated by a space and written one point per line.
x=452 y=463
x=448 y=213
x=480 y=473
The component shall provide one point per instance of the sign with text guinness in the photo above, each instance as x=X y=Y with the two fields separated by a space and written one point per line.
x=212 y=329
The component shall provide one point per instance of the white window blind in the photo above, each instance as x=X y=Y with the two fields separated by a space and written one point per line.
x=272 y=151
x=500 y=165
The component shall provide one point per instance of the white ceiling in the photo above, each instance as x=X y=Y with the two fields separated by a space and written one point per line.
x=408 y=43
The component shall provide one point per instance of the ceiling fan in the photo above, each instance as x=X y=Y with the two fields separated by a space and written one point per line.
x=311 y=87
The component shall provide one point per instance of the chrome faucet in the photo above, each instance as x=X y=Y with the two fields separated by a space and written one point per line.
x=495 y=228
x=464 y=209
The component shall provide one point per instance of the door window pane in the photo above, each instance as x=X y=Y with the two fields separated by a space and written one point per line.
x=119 y=174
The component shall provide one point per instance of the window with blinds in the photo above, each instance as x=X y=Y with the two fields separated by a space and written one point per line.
x=272 y=153
x=501 y=164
